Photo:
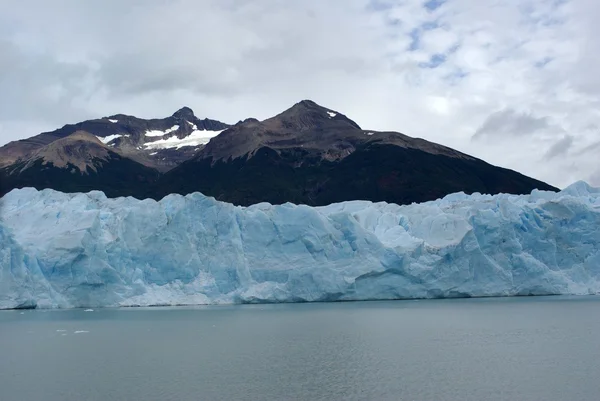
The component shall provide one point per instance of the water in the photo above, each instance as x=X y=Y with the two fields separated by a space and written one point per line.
x=489 y=349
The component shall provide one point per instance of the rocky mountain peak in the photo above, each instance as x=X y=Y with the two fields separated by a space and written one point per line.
x=80 y=149
x=185 y=113
x=308 y=115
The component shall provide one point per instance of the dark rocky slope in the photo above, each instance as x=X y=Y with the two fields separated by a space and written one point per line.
x=316 y=156
x=307 y=154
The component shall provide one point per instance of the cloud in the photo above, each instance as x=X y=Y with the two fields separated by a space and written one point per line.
x=594 y=179
x=593 y=147
x=509 y=122
x=518 y=76
x=39 y=84
x=560 y=148
x=432 y=5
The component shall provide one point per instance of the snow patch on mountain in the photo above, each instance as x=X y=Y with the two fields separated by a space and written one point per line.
x=172 y=129
x=107 y=139
x=154 y=133
x=196 y=138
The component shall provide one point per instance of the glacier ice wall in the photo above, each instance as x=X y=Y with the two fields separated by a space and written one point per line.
x=84 y=250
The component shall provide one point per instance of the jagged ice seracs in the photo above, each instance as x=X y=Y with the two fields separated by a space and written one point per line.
x=62 y=250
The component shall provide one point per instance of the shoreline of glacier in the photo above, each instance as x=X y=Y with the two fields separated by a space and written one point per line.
x=175 y=305
x=85 y=250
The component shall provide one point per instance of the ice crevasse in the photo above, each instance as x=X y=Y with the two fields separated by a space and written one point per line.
x=62 y=250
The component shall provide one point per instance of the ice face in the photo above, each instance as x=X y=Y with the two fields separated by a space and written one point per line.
x=84 y=250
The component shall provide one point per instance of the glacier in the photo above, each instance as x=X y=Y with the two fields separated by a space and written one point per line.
x=62 y=250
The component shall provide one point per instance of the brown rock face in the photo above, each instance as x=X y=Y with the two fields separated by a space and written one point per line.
x=80 y=149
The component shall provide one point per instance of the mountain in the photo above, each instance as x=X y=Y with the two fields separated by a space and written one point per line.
x=308 y=154
x=84 y=250
x=158 y=143
x=79 y=162
x=313 y=155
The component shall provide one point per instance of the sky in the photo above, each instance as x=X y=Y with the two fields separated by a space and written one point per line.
x=513 y=82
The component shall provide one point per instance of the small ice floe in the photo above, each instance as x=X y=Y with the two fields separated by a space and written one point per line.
x=60 y=331
x=22 y=313
x=80 y=331
x=88 y=310
x=331 y=114
x=63 y=334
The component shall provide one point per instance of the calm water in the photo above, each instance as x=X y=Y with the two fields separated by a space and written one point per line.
x=540 y=349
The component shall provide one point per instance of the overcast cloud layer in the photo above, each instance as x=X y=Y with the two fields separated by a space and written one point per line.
x=514 y=82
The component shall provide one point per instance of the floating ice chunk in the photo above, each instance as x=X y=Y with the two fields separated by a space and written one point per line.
x=80 y=331
x=60 y=331
x=88 y=310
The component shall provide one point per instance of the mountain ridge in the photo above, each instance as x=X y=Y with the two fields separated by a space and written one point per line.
x=133 y=137
x=306 y=154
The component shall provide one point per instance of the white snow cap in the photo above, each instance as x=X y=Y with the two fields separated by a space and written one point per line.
x=113 y=121
x=331 y=114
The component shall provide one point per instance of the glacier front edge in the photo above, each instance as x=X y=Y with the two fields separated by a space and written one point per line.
x=83 y=250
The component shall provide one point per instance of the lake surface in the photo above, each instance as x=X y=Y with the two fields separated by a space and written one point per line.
x=545 y=348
